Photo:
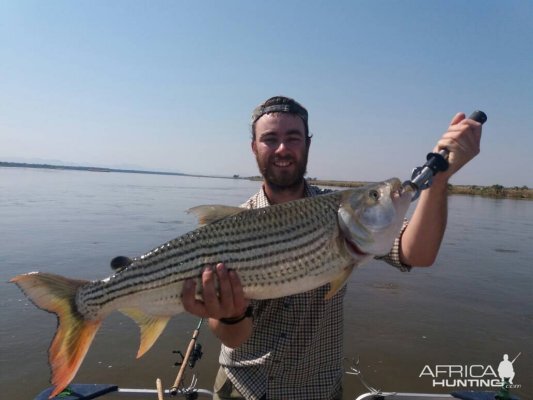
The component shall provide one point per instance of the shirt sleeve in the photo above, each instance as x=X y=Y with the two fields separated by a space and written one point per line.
x=393 y=258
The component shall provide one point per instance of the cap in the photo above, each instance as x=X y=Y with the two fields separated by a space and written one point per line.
x=280 y=104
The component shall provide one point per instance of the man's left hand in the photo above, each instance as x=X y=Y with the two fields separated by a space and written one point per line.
x=462 y=140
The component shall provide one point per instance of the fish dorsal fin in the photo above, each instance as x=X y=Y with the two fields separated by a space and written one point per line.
x=151 y=327
x=339 y=282
x=211 y=213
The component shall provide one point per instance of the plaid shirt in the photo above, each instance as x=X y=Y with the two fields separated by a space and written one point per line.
x=295 y=350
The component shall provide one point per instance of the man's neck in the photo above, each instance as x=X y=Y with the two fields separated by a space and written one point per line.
x=278 y=196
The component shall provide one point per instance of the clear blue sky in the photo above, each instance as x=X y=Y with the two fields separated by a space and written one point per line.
x=170 y=85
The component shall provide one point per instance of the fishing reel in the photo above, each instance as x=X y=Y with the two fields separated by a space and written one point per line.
x=196 y=354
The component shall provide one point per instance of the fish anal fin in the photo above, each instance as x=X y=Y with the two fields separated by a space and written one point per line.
x=339 y=282
x=211 y=213
x=74 y=333
x=151 y=327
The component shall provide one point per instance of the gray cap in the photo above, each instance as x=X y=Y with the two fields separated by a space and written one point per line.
x=280 y=104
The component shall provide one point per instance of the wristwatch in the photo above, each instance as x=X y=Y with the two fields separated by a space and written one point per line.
x=235 y=320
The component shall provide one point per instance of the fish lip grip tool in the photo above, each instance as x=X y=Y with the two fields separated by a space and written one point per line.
x=422 y=177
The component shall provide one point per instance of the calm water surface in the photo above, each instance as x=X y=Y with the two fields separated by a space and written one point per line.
x=470 y=308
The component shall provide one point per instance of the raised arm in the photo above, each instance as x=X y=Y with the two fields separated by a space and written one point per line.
x=421 y=239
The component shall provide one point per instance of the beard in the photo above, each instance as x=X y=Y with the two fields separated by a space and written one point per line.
x=280 y=181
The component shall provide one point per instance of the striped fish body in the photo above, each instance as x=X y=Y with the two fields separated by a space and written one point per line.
x=277 y=251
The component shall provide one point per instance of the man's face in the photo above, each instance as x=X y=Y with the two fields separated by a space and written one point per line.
x=281 y=149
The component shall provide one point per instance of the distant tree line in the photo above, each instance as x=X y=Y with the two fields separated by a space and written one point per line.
x=497 y=191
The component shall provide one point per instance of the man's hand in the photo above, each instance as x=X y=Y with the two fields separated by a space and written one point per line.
x=228 y=303
x=462 y=141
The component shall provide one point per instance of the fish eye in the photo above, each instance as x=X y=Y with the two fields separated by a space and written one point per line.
x=373 y=194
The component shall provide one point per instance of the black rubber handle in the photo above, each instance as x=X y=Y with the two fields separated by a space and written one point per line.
x=439 y=160
x=478 y=116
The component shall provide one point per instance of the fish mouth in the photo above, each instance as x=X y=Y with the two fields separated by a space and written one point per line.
x=400 y=196
x=396 y=188
x=354 y=248
x=398 y=192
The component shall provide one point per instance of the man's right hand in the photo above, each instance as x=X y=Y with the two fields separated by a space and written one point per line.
x=229 y=302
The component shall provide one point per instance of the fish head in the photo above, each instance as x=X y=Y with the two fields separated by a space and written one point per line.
x=372 y=216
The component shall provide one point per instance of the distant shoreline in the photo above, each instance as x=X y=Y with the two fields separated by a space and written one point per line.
x=98 y=169
x=494 y=191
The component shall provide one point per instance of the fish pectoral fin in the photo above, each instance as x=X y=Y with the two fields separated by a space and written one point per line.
x=339 y=282
x=151 y=327
x=211 y=213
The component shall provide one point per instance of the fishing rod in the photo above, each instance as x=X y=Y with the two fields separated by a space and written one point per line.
x=514 y=359
x=193 y=354
x=422 y=177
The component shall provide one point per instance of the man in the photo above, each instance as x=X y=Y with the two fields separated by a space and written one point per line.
x=291 y=348
x=505 y=369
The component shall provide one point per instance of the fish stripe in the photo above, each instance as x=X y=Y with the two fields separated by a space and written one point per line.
x=196 y=263
x=256 y=249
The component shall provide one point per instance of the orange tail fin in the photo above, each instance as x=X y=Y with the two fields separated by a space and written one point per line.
x=74 y=334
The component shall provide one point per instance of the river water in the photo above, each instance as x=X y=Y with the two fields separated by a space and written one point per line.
x=416 y=331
